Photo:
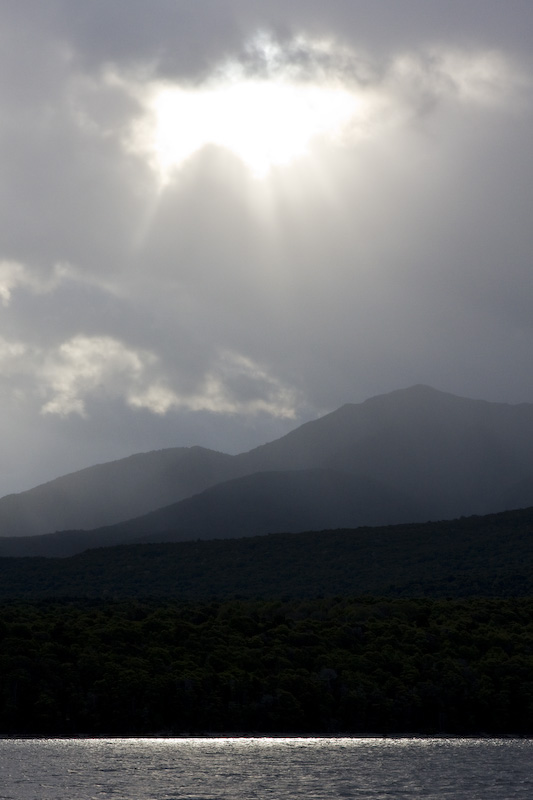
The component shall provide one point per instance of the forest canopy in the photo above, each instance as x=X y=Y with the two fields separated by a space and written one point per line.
x=326 y=665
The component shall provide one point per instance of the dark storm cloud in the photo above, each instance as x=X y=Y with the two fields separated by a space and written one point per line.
x=111 y=31
x=221 y=309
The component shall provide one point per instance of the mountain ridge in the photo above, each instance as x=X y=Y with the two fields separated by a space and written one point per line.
x=433 y=454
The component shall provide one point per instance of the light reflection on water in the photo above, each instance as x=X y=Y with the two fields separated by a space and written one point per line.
x=259 y=768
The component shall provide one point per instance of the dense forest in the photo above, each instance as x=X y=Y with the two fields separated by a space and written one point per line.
x=405 y=629
x=348 y=665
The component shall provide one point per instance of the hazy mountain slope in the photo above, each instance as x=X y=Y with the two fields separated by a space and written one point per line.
x=444 y=455
x=108 y=493
x=455 y=455
x=267 y=502
x=255 y=504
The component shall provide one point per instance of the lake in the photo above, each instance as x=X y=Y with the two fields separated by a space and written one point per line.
x=261 y=768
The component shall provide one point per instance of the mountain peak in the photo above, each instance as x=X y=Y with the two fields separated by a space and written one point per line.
x=416 y=390
x=423 y=393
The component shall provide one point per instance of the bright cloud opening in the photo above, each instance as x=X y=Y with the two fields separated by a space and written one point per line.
x=265 y=123
x=267 y=107
x=273 y=103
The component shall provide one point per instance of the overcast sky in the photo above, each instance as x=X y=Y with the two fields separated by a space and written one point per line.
x=222 y=218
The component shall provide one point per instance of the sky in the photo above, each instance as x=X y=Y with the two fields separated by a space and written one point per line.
x=222 y=218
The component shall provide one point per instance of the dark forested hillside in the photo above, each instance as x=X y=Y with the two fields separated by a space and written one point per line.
x=491 y=555
x=404 y=629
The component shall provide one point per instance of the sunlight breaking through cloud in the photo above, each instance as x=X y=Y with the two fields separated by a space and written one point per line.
x=264 y=123
x=221 y=217
x=273 y=103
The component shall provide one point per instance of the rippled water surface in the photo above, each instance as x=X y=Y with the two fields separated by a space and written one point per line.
x=250 y=769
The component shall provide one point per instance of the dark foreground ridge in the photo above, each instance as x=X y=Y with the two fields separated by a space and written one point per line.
x=474 y=556
x=356 y=665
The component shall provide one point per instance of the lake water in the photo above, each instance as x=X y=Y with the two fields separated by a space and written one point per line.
x=261 y=768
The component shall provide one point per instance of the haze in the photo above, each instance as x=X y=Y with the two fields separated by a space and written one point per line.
x=221 y=218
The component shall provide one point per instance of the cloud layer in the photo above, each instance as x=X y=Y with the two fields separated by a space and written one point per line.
x=219 y=219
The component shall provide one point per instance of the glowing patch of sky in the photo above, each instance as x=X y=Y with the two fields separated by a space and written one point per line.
x=264 y=123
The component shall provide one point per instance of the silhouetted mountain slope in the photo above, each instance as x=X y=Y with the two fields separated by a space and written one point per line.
x=61 y=543
x=455 y=455
x=108 y=493
x=476 y=556
x=430 y=453
x=267 y=502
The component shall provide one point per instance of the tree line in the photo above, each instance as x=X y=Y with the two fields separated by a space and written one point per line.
x=323 y=665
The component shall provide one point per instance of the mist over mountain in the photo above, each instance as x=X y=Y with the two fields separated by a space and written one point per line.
x=111 y=492
x=411 y=455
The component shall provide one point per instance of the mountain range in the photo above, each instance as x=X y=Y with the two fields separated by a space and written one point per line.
x=411 y=455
